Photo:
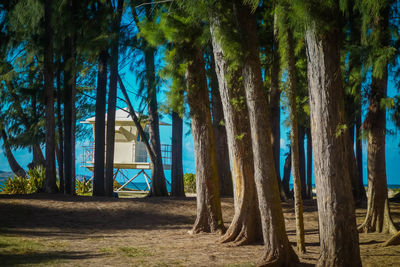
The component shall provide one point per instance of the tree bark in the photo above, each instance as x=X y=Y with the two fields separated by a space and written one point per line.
x=302 y=160
x=50 y=185
x=378 y=217
x=278 y=251
x=60 y=150
x=286 y=174
x=221 y=142
x=338 y=232
x=177 y=186
x=245 y=227
x=112 y=101
x=99 y=126
x=209 y=214
x=297 y=144
x=158 y=185
x=275 y=108
x=15 y=167
x=68 y=64
x=309 y=165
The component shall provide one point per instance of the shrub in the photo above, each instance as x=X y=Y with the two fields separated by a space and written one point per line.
x=189 y=181
x=83 y=187
x=32 y=183
x=16 y=185
x=36 y=179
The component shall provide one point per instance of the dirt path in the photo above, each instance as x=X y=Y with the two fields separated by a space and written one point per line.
x=83 y=231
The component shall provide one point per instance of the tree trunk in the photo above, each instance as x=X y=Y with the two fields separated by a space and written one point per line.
x=309 y=165
x=378 y=217
x=278 y=250
x=338 y=232
x=50 y=185
x=245 y=227
x=158 y=185
x=177 y=186
x=15 y=167
x=297 y=148
x=209 y=214
x=221 y=142
x=394 y=240
x=112 y=101
x=275 y=108
x=286 y=174
x=68 y=62
x=355 y=66
x=302 y=160
x=60 y=150
x=359 y=157
x=99 y=126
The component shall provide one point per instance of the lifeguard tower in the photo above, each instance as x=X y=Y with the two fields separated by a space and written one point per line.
x=129 y=151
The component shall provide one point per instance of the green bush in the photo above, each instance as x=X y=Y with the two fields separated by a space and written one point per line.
x=189 y=181
x=32 y=183
x=16 y=185
x=83 y=187
x=36 y=179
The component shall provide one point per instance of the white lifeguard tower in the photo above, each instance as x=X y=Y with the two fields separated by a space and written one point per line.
x=129 y=150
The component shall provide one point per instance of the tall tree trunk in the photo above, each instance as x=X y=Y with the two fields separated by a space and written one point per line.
x=302 y=160
x=378 y=217
x=15 y=167
x=221 y=141
x=209 y=214
x=112 y=101
x=177 y=186
x=359 y=151
x=278 y=250
x=99 y=126
x=355 y=65
x=338 y=232
x=245 y=227
x=275 y=108
x=286 y=174
x=309 y=165
x=69 y=100
x=50 y=185
x=296 y=142
x=158 y=185
x=60 y=150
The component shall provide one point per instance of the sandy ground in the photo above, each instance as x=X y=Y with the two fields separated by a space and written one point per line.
x=83 y=231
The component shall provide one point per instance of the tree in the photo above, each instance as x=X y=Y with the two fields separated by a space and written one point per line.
x=177 y=186
x=15 y=167
x=289 y=58
x=278 y=250
x=158 y=185
x=99 y=126
x=378 y=217
x=112 y=98
x=309 y=165
x=245 y=227
x=69 y=85
x=209 y=215
x=221 y=142
x=50 y=185
x=338 y=233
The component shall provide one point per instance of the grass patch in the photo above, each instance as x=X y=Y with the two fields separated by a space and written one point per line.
x=134 y=252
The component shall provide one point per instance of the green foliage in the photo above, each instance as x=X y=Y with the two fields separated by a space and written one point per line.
x=16 y=185
x=36 y=179
x=83 y=187
x=30 y=184
x=189 y=181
